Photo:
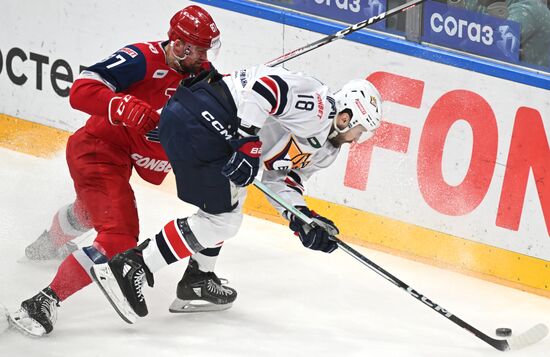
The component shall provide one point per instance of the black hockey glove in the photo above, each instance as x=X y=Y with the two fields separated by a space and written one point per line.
x=244 y=164
x=317 y=237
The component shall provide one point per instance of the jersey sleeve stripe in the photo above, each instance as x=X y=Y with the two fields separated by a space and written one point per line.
x=265 y=93
x=274 y=88
x=123 y=68
x=283 y=94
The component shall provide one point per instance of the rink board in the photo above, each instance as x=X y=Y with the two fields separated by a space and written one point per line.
x=363 y=228
x=457 y=175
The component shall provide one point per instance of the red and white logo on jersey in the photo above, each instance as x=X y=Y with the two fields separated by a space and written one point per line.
x=129 y=52
x=151 y=164
x=320 y=106
x=152 y=48
x=169 y=92
x=160 y=73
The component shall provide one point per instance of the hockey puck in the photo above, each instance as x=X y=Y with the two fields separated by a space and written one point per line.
x=504 y=332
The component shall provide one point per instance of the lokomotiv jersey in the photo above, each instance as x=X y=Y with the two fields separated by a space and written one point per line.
x=295 y=114
x=140 y=70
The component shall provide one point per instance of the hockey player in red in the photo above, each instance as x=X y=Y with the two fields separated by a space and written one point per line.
x=122 y=93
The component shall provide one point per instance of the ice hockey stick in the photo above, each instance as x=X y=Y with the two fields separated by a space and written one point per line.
x=527 y=338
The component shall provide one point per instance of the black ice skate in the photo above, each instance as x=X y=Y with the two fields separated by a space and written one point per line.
x=122 y=279
x=201 y=291
x=37 y=315
x=43 y=248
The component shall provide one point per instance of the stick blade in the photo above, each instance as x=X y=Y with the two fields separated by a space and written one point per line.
x=529 y=337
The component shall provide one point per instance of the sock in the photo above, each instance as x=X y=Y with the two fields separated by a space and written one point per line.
x=67 y=224
x=207 y=258
x=70 y=278
x=169 y=246
x=73 y=273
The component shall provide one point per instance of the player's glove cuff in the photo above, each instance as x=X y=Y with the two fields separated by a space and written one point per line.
x=244 y=164
x=317 y=236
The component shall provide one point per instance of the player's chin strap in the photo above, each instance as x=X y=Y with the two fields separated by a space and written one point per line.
x=186 y=52
x=529 y=337
x=335 y=130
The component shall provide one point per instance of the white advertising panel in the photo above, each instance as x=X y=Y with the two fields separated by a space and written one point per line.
x=460 y=152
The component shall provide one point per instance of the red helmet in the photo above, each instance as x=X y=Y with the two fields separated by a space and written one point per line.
x=194 y=25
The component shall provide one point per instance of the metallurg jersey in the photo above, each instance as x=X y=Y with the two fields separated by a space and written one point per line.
x=295 y=114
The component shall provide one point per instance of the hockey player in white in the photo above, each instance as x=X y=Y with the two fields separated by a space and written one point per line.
x=291 y=119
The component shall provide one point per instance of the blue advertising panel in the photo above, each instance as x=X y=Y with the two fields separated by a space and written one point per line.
x=471 y=31
x=348 y=11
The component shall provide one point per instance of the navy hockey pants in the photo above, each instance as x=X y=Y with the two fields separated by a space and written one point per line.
x=190 y=134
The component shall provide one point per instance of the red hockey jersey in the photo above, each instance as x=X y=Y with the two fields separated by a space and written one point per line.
x=140 y=70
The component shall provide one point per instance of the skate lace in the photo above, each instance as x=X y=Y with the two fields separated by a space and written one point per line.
x=215 y=288
x=139 y=279
x=48 y=307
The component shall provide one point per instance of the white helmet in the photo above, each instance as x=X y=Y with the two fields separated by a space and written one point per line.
x=364 y=102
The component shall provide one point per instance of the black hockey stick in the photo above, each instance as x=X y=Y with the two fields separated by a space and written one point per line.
x=338 y=35
x=529 y=337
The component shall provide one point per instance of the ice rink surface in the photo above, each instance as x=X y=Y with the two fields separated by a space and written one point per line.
x=292 y=301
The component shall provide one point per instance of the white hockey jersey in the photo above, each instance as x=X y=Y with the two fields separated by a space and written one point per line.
x=295 y=114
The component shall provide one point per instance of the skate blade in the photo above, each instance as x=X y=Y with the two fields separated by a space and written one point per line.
x=23 y=323
x=104 y=278
x=187 y=306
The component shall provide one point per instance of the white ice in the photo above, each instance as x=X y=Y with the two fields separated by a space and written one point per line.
x=292 y=301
